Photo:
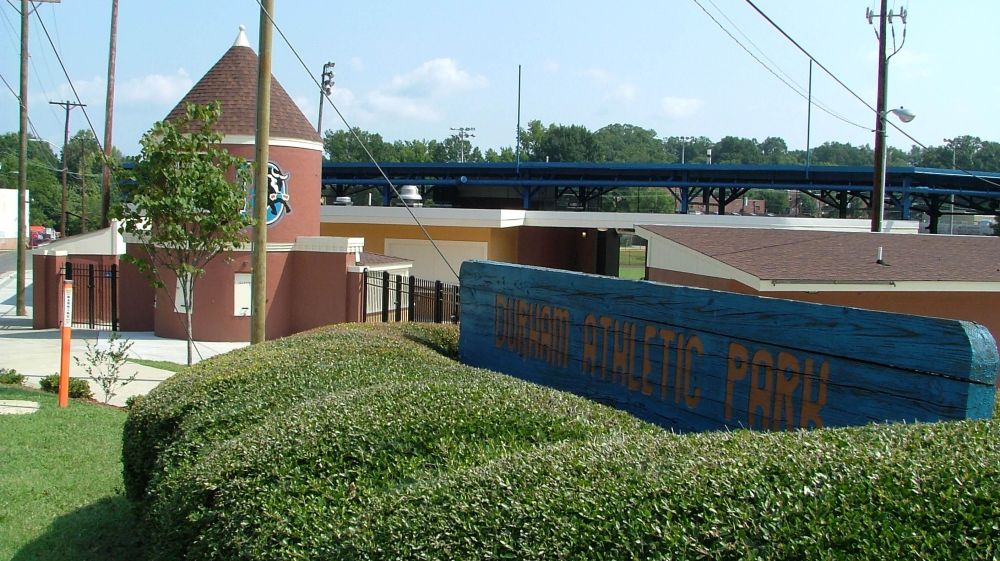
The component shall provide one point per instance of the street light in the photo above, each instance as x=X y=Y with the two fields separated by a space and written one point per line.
x=684 y=140
x=878 y=192
x=325 y=91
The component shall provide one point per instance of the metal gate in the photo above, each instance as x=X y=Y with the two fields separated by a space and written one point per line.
x=95 y=295
x=395 y=298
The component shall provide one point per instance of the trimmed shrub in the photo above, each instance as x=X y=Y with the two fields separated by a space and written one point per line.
x=78 y=387
x=10 y=376
x=393 y=451
x=227 y=394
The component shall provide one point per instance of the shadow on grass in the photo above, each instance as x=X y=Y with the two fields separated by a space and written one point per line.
x=107 y=530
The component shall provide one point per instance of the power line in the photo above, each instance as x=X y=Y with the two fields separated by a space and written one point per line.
x=70 y=80
x=775 y=74
x=31 y=124
x=852 y=92
x=357 y=137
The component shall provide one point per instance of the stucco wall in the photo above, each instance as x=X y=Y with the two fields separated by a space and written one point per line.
x=304 y=168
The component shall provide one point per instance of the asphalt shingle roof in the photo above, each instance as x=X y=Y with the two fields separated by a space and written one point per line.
x=844 y=257
x=233 y=81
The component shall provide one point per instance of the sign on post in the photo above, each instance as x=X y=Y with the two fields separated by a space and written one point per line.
x=694 y=359
x=65 y=336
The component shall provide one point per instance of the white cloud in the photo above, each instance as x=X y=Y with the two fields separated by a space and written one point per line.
x=599 y=75
x=91 y=91
x=420 y=93
x=401 y=106
x=624 y=92
x=157 y=89
x=680 y=107
x=437 y=77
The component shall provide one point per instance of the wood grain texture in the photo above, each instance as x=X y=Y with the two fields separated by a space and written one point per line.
x=695 y=359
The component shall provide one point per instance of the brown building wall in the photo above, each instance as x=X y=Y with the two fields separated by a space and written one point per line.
x=46 y=290
x=304 y=290
x=304 y=168
x=320 y=287
x=136 y=296
x=980 y=307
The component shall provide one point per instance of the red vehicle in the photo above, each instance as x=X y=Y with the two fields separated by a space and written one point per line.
x=40 y=235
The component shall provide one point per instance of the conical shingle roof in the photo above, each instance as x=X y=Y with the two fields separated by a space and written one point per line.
x=233 y=82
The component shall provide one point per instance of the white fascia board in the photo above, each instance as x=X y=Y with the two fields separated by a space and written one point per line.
x=244 y=139
x=439 y=217
x=329 y=244
x=401 y=266
x=877 y=286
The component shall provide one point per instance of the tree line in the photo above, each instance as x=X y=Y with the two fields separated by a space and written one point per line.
x=539 y=143
x=631 y=143
x=83 y=162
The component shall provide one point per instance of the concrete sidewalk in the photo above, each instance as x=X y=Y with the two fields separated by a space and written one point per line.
x=36 y=353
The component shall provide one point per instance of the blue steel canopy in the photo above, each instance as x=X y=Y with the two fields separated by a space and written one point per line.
x=908 y=188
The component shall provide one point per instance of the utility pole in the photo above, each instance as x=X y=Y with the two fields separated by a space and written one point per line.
x=258 y=286
x=22 y=167
x=68 y=106
x=108 y=119
x=878 y=190
x=885 y=17
x=325 y=90
x=463 y=134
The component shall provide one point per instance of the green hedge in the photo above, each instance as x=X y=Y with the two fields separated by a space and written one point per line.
x=389 y=450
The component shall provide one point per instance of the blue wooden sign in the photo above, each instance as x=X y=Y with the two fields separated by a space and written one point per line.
x=695 y=359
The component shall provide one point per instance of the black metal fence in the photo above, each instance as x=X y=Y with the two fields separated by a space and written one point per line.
x=388 y=297
x=95 y=295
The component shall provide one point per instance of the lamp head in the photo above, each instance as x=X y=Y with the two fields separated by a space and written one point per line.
x=903 y=114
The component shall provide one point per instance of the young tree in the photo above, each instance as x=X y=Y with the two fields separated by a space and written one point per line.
x=182 y=206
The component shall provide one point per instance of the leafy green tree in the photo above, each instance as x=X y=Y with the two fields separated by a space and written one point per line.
x=628 y=143
x=775 y=200
x=737 y=150
x=568 y=143
x=182 y=206
x=341 y=146
x=639 y=199
x=842 y=154
x=44 y=187
x=531 y=141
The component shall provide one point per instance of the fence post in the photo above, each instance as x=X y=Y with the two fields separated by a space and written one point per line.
x=364 y=296
x=456 y=306
x=399 y=298
x=91 y=294
x=438 y=301
x=411 y=304
x=385 y=296
x=114 y=297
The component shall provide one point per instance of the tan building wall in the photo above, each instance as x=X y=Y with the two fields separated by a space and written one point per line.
x=980 y=307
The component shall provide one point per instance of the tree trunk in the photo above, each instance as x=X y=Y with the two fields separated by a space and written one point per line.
x=188 y=289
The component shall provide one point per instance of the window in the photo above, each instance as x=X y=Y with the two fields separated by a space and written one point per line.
x=241 y=294
x=179 y=304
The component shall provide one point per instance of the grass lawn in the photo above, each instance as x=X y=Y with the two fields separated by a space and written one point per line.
x=161 y=364
x=632 y=262
x=61 y=483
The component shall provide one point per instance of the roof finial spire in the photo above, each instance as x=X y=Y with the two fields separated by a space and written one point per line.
x=241 y=39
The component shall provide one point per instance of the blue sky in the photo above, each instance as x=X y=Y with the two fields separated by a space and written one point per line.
x=415 y=69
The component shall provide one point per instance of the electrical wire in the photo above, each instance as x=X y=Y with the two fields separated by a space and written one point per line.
x=775 y=74
x=31 y=124
x=852 y=92
x=357 y=137
x=791 y=79
x=73 y=87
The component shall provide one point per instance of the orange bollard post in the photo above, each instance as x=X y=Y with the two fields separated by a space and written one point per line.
x=65 y=337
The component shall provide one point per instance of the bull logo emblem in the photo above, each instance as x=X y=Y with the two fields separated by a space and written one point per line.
x=277 y=194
